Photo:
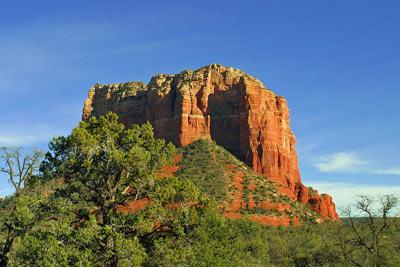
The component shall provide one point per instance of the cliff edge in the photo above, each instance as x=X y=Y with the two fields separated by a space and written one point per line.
x=218 y=103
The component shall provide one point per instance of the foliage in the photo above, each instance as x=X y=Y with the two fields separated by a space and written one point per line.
x=213 y=241
x=212 y=169
x=104 y=170
x=198 y=157
x=19 y=166
x=103 y=166
x=98 y=201
x=311 y=192
x=19 y=213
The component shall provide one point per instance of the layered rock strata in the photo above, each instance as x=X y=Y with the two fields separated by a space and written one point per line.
x=217 y=103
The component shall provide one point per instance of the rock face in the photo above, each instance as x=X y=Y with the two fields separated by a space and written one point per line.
x=218 y=103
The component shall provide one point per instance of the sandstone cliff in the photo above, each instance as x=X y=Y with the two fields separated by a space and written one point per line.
x=218 y=103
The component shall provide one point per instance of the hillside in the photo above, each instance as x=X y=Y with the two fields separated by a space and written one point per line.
x=238 y=190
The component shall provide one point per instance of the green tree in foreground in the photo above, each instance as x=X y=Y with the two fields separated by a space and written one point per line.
x=111 y=205
x=20 y=213
x=105 y=166
x=94 y=219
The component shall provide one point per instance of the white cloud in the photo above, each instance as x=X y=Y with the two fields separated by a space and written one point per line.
x=20 y=140
x=391 y=171
x=30 y=136
x=344 y=194
x=340 y=162
x=351 y=162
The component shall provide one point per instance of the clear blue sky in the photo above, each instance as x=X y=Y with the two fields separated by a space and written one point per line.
x=336 y=62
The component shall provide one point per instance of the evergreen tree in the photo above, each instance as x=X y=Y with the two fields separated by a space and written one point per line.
x=112 y=204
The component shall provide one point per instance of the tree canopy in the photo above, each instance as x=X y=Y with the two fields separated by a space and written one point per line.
x=99 y=200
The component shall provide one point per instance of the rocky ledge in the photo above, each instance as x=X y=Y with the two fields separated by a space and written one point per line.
x=218 y=103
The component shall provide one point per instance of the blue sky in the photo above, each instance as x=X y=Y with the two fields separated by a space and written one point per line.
x=336 y=63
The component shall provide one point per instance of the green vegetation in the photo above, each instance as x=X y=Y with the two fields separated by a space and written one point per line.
x=136 y=90
x=82 y=209
x=213 y=170
x=19 y=167
x=311 y=192
x=200 y=166
x=377 y=236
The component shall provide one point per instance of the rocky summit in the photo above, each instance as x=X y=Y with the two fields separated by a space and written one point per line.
x=222 y=104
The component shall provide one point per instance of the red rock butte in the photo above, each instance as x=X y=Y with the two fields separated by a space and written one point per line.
x=217 y=103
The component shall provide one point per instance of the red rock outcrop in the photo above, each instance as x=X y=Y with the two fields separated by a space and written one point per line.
x=220 y=103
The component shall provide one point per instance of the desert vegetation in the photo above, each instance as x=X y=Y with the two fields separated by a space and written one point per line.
x=98 y=200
